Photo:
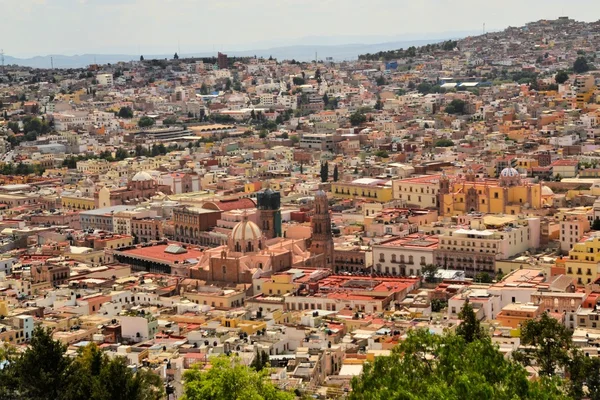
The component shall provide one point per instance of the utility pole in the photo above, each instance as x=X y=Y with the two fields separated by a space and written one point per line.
x=2 y=57
x=51 y=62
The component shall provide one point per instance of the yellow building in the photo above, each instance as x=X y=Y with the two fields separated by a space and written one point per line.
x=279 y=284
x=78 y=203
x=506 y=195
x=375 y=189
x=583 y=260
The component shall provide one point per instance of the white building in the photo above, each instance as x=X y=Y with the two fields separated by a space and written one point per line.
x=105 y=79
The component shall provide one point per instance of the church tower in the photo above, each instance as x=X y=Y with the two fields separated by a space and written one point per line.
x=268 y=203
x=322 y=238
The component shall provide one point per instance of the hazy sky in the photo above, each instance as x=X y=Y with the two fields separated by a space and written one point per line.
x=41 y=27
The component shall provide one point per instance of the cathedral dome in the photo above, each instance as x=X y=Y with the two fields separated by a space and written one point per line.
x=141 y=177
x=509 y=172
x=546 y=191
x=246 y=231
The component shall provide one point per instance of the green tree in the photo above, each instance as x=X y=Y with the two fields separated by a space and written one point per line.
x=145 y=122
x=170 y=121
x=581 y=65
x=382 y=154
x=175 y=56
x=428 y=366
x=357 y=118
x=443 y=143
x=229 y=379
x=335 y=173
x=561 y=77
x=483 y=277
x=470 y=328
x=203 y=89
x=547 y=344
x=380 y=81
x=41 y=372
x=429 y=272
x=295 y=139
x=260 y=361
x=324 y=171
x=141 y=58
x=125 y=112
x=456 y=106
x=298 y=81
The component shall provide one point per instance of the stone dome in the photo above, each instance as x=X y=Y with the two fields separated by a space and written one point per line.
x=546 y=191
x=509 y=172
x=88 y=183
x=141 y=177
x=246 y=231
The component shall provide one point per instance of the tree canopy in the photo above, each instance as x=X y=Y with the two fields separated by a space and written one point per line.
x=125 y=112
x=456 y=106
x=229 y=379
x=561 y=77
x=145 y=122
x=429 y=366
x=45 y=372
x=581 y=65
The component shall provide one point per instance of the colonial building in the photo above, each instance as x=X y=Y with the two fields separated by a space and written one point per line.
x=248 y=256
x=140 y=188
x=322 y=238
x=269 y=210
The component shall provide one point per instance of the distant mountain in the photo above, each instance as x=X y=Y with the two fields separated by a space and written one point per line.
x=298 y=52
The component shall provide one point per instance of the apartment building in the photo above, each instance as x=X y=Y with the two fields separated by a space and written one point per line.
x=404 y=256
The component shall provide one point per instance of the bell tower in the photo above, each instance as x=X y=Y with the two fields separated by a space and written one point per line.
x=268 y=203
x=322 y=238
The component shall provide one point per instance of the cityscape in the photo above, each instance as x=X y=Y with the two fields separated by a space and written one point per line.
x=413 y=223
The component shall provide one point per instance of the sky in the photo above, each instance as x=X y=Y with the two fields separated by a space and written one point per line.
x=41 y=27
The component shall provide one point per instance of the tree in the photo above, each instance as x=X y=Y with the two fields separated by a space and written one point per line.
x=295 y=139
x=335 y=173
x=141 y=58
x=581 y=65
x=483 y=277
x=42 y=371
x=561 y=77
x=380 y=80
x=357 y=118
x=125 y=112
x=429 y=366
x=382 y=154
x=175 y=56
x=260 y=361
x=548 y=342
x=298 y=81
x=229 y=379
x=145 y=122
x=170 y=121
x=443 y=143
x=470 y=328
x=429 y=272
x=456 y=106
x=203 y=89
x=324 y=171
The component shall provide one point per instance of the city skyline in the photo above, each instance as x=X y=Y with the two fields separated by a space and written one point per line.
x=41 y=27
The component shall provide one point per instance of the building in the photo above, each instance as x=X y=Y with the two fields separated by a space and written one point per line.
x=475 y=249
x=222 y=61
x=322 y=237
x=505 y=195
x=572 y=230
x=247 y=256
x=159 y=258
x=101 y=218
x=404 y=256
x=268 y=204
x=190 y=221
x=379 y=190
x=105 y=79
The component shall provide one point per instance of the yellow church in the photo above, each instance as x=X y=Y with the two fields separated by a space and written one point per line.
x=506 y=195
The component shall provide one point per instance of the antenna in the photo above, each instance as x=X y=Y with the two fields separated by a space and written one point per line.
x=52 y=62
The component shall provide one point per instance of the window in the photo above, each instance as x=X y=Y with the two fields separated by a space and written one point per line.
x=224 y=270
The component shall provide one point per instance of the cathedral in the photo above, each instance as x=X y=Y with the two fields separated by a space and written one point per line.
x=509 y=194
x=321 y=241
x=248 y=254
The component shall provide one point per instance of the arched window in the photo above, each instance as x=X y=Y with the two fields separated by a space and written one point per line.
x=402 y=258
x=422 y=260
x=393 y=258
x=410 y=259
